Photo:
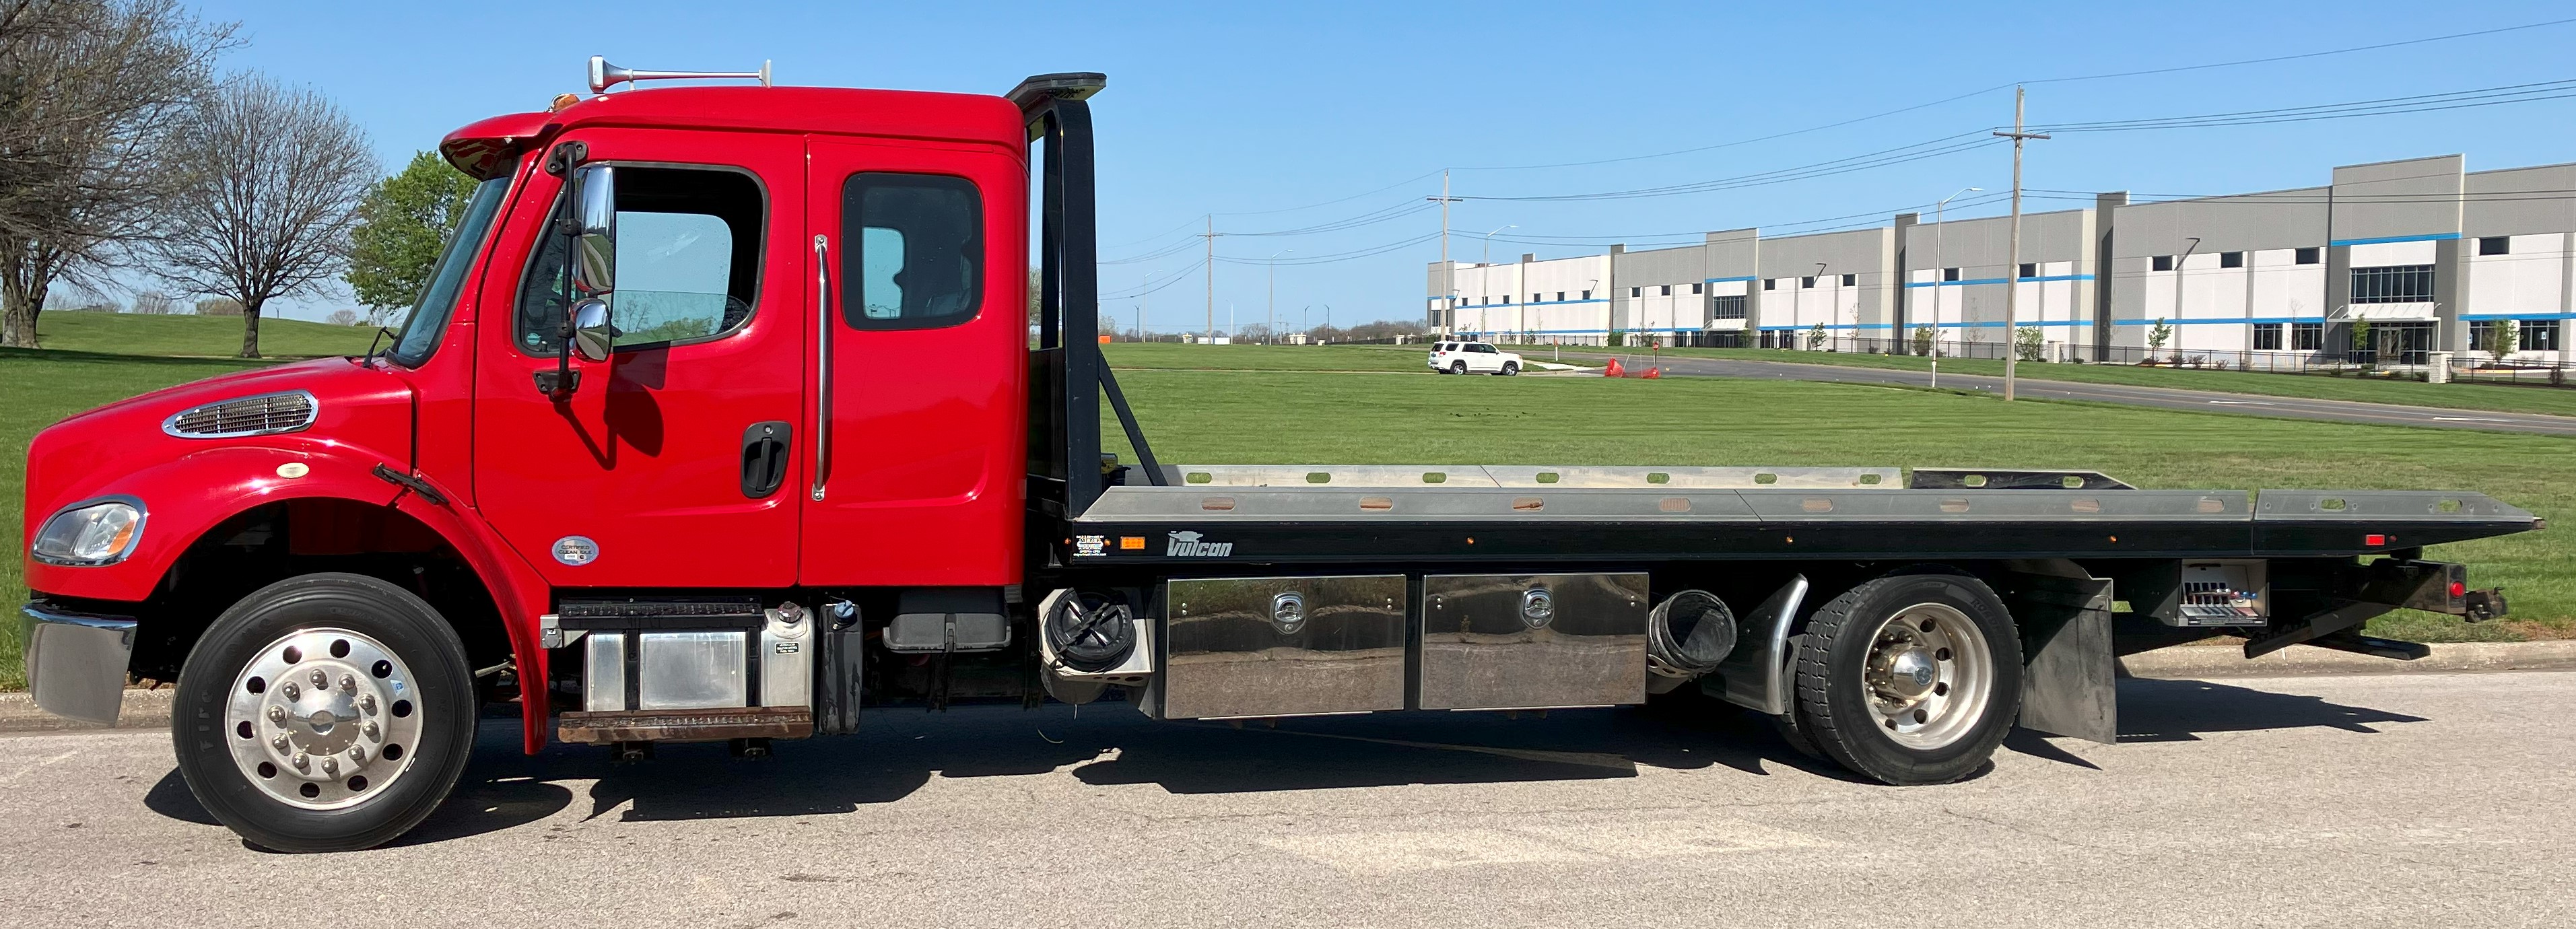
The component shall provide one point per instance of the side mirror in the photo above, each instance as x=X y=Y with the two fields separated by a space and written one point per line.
x=594 y=267
x=592 y=336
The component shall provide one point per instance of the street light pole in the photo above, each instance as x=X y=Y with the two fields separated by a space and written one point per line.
x=1448 y=272
x=1145 y=300
x=2012 y=271
x=1274 y=289
x=1940 y=272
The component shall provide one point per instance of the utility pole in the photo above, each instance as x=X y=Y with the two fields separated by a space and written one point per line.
x=1210 y=236
x=1448 y=272
x=2012 y=271
x=1145 y=299
x=1274 y=291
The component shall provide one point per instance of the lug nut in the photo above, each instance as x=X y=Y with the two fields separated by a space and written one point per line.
x=331 y=767
x=371 y=732
x=301 y=761
x=321 y=678
x=289 y=692
x=277 y=714
x=358 y=754
x=349 y=683
x=278 y=743
x=368 y=703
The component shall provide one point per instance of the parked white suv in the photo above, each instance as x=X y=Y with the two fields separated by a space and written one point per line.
x=1473 y=357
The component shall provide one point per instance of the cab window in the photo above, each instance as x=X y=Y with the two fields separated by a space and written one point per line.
x=912 y=251
x=688 y=260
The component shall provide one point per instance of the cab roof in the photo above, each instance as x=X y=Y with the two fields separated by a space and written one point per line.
x=485 y=148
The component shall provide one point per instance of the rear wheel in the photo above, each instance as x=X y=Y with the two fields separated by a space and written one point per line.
x=327 y=712
x=1511 y=368
x=1457 y=367
x=1911 y=678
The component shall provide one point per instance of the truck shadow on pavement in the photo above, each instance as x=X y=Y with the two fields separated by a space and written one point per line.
x=900 y=751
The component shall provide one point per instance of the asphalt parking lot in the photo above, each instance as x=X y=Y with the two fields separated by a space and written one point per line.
x=2415 y=800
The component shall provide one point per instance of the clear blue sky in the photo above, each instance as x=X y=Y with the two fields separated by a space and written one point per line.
x=1237 y=109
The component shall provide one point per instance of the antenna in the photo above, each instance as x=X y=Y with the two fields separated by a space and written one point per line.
x=604 y=75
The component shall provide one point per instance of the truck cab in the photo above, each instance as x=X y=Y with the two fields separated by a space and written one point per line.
x=721 y=420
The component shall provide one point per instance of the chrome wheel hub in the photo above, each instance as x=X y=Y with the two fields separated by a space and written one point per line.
x=1928 y=675
x=323 y=718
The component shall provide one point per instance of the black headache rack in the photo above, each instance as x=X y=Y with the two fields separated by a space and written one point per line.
x=1067 y=375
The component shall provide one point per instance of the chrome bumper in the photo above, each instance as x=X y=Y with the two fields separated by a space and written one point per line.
x=76 y=661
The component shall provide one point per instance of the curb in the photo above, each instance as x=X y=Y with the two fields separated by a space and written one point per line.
x=150 y=709
x=2205 y=661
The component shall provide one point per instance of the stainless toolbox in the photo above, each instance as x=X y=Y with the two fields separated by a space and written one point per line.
x=1519 y=641
x=1281 y=646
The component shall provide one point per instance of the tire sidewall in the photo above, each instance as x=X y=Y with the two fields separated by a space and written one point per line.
x=1866 y=747
x=1511 y=368
x=442 y=685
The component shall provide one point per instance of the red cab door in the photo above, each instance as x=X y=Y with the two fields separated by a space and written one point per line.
x=922 y=248
x=638 y=478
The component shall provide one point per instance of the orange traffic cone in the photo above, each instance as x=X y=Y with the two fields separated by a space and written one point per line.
x=1653 y=373
x=1614 y=370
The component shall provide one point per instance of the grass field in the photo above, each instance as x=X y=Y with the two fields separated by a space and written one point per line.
x=194 y=336
x=1287 y=405
x=2560 y=401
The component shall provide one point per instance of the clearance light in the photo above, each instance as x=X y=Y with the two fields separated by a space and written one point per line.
x=2459 y=590
x=2373 y=540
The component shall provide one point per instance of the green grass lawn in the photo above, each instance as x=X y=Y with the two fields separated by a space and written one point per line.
x=1293 y=410
x=2558 y=401
x=194 y=336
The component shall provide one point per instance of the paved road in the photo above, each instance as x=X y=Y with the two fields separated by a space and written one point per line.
x=2166 y=398
x=2413 y=801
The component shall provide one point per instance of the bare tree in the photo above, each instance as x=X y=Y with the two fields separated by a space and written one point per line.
x=153 y=303
x=342 y=317
x=89 y=93
x=272 y=176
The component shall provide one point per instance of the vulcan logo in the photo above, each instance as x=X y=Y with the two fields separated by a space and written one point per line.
x=1188 y=545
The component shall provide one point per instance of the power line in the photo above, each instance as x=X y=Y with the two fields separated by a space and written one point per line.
x=2385 y=106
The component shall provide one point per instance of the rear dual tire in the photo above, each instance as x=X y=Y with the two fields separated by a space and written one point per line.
x=1911 y=678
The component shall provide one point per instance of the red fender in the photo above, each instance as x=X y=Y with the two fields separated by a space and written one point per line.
x=186 y=497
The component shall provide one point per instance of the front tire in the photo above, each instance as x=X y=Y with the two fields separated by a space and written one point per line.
x=1911 y=678
x=1511 y=369
x=328 y=712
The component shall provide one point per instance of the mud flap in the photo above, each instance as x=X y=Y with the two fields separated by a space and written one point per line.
x=2068 y=682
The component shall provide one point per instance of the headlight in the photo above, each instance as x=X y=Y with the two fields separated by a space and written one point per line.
x=95 y=534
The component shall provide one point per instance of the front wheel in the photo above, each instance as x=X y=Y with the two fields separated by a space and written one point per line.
x=1511 y=369
x=1911 y=678
x=327 y=712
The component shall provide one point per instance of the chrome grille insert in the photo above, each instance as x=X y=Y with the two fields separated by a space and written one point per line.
x=264 y=414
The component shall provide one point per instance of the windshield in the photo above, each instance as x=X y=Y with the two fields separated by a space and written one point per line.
x=428 y=320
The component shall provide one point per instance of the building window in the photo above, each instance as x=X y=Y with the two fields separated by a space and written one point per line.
x=1949 y=274
x=1727 y=307
x=1695 y=288
x=2307 y=256
x=2231 y=259
x=2267 y=337
x=1851 y=280
x=1560 y=296
x=1636 y=291
x=2540 y=335
x=1507 y=299
x=2164 y=263
x=1664 y=291
x=1807 y=283
x=2482 y=333
x=1587 y=295
x=2393 y=284
x=1770 y=283
x=2495 y=245
x=2307 y=337
x=1534 y=298
x=2029 y=270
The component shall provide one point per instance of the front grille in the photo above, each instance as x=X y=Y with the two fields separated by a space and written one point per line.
x=266 y=414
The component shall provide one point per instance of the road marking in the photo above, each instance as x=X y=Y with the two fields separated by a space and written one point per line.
x=31 y=769
x=2467 y=419
x=1573 y=843
x=2244 y=403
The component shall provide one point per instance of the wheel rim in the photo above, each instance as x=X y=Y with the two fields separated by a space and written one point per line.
x=324 y=719
x=1928 y=676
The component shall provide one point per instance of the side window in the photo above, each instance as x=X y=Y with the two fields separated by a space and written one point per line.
x=912 y=251
x=688 y=260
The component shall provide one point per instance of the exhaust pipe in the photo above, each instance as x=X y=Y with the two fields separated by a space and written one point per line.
x=1686 y=636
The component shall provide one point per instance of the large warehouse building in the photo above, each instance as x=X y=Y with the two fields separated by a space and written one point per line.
x=2424 y=254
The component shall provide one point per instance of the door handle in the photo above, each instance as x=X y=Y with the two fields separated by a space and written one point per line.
x=822 y=363
x=764 y=458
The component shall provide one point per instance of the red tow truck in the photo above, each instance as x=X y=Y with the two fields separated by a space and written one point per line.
x=720 y=422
